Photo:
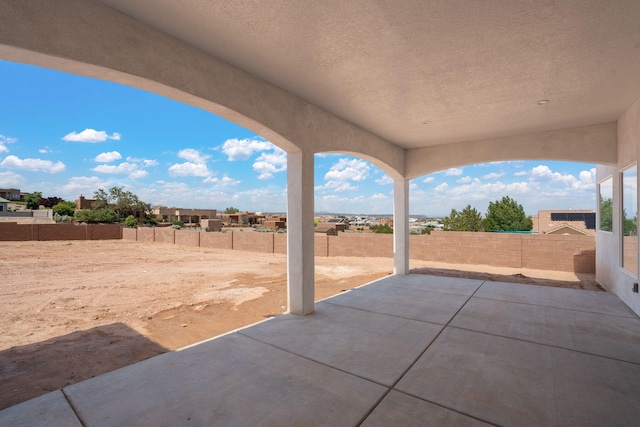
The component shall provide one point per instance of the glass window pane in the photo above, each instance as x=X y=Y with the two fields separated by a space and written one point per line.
x=630 y=219
x=605 y=191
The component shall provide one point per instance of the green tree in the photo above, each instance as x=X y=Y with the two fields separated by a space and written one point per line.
x=508 y=215
x=85 y=215
x=33 y=200
x=50 y=202
x=231 y=210
x=123 y=202
x=64 y=208
x=468 y=219
x=131 y=222
x=606 y=214
x=106 y=216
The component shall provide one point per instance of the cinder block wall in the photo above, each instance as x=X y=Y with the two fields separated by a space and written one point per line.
x=165 y=235
x=375 y=245
x=537 y=251
x=11 y=231
x=187 y=238
x=280 y=243
x=216 y=240
x=253 y=242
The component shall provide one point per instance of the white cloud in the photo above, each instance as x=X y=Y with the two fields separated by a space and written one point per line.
x=454 y=172
x=384 y=180
x=464 y=180
x=11 y=179
x=138 y=174
x=91 y=135
x=82 y=185
x=442 y=187
x=37 y=165
x=521 y=173
x=193 y=155
x=145 y=162
x=132 y=169
x=45 y=150
x=341 y=174
x=4 y=140
x=269 y=163
x=543 y=174
x=242 y=149
x=189 y=169
x=107 y=157
x=225 y=181
x=379 y=196
x=428 y=179
x=122 y=168
x=195 y=166
x=348 y=170
x=493 y=175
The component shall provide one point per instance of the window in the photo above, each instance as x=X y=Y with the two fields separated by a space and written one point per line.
x=605 y=195
x=629 y=219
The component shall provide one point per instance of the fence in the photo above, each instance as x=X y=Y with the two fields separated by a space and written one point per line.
x=536 y=251
x=11 y=231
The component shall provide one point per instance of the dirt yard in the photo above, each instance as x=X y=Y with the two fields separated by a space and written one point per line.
x=74 y=310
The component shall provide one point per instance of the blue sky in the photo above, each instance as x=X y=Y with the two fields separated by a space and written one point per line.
x=67 y=135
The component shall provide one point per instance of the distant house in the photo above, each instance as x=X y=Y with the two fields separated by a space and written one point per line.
x=275 y=221
x=82 y=203
x=329 y=231
x=339 y=224
x=565 y=222
x=188 y=216
x=11 y=194
x=4 y=205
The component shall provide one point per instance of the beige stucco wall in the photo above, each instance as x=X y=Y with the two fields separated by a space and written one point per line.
x=589 y=144
x=608 y=259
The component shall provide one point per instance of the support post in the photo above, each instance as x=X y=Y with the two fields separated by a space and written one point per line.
x=401 y=227
x=300 y=233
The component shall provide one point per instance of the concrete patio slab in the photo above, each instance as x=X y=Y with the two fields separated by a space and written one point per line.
x=422 y=282
x=399 y=409
x=512 y=382
x=373 y=346
x=605 y=335
x=572 y=299
x=369 y=356
x=49 y=410
x=232 y=380
x=434 y=307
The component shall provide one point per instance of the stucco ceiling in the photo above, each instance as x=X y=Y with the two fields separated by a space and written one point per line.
x=420 y=73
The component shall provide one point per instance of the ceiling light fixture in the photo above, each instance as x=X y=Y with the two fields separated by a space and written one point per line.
x=426 y=122
x=543 y=101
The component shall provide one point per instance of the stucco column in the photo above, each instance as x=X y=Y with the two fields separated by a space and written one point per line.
x=300 y=233
x=401 y=226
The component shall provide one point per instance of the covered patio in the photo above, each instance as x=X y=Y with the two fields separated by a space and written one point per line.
x=404 y=350
x=415 y=88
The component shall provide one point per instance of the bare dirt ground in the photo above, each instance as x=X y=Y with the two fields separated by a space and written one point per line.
x=74 y=310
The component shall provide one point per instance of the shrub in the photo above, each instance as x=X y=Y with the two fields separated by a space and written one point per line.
x=107 y=215
x=61 y=218
x=85 y=215
x=64 y=208
x=130 y=222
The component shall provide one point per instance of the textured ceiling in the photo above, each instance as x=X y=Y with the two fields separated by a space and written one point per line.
x=471 y=69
